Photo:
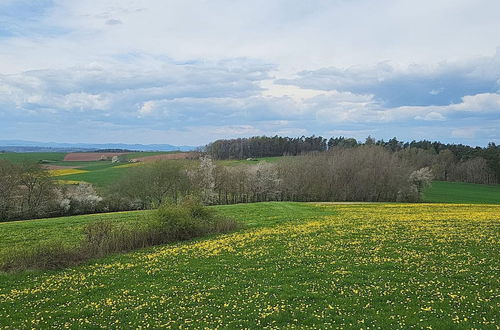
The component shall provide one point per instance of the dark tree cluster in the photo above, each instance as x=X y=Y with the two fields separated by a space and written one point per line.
x=263 y=146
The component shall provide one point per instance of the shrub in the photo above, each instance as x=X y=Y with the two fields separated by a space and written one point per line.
x=49 y=255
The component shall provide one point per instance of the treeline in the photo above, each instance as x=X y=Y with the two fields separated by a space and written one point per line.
x=263 y=146
x=464 y=163
x=368 y=173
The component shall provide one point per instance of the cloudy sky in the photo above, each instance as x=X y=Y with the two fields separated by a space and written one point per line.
x=191 y=71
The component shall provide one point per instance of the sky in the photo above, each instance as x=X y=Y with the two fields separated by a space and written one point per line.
x=188 y=72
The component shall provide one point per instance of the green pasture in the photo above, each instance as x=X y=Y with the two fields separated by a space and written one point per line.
x=459 y=192
x=294 y=265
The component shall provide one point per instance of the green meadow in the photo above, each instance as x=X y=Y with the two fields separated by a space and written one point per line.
x=33 y=157
x=459 y=192
x=293 y=265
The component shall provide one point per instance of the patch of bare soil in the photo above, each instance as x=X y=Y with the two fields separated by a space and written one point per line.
x=178 y=155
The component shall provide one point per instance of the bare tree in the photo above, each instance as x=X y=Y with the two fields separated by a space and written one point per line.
x=474 y=170
x=9 y=188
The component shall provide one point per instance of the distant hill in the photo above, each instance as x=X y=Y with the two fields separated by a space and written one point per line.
x=33 y=146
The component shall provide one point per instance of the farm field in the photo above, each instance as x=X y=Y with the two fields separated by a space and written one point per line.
x=293 y=265
x=459 y=192
x=100 y=173
x=33 y=156
x=100 y=176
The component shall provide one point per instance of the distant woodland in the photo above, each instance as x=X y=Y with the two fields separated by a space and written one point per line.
x=450 y=162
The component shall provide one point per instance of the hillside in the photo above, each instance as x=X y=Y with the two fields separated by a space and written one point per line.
x=294 y=265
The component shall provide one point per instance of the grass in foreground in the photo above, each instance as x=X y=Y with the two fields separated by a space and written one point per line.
x=19 y=234
x=297 y=265
x=169 y=223
x=459 y=192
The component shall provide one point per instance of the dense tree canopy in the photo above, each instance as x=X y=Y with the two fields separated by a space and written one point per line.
x=263 y=146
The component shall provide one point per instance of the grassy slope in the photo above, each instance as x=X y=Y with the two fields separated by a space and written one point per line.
x=17 y=234
x=330 y=265
x=101 y=173
x=458 y=192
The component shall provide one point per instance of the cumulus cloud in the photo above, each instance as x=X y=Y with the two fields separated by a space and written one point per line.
x=118 y=88
x=416 y=85
x=236 y=97
x=196 y=71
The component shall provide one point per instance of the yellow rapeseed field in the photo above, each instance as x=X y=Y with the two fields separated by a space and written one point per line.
x=67 y=171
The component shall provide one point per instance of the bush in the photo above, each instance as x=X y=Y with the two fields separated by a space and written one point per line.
x=188 y=219
x=49 y=255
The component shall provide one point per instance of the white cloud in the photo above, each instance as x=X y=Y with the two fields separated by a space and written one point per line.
x=211 y=68
x=436 y=91
x=243 y=130
x=147 y=108
x=464 y=132
x=431 y=116
x=296 y=34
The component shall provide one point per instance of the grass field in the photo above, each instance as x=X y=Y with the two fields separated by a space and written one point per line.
x=33 y=157
x=100 y=177
x=17 y=234
x=295 y=265
x=459 y=192
x=57 y=158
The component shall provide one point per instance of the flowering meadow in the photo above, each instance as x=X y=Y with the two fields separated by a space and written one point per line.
x=293 y=265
